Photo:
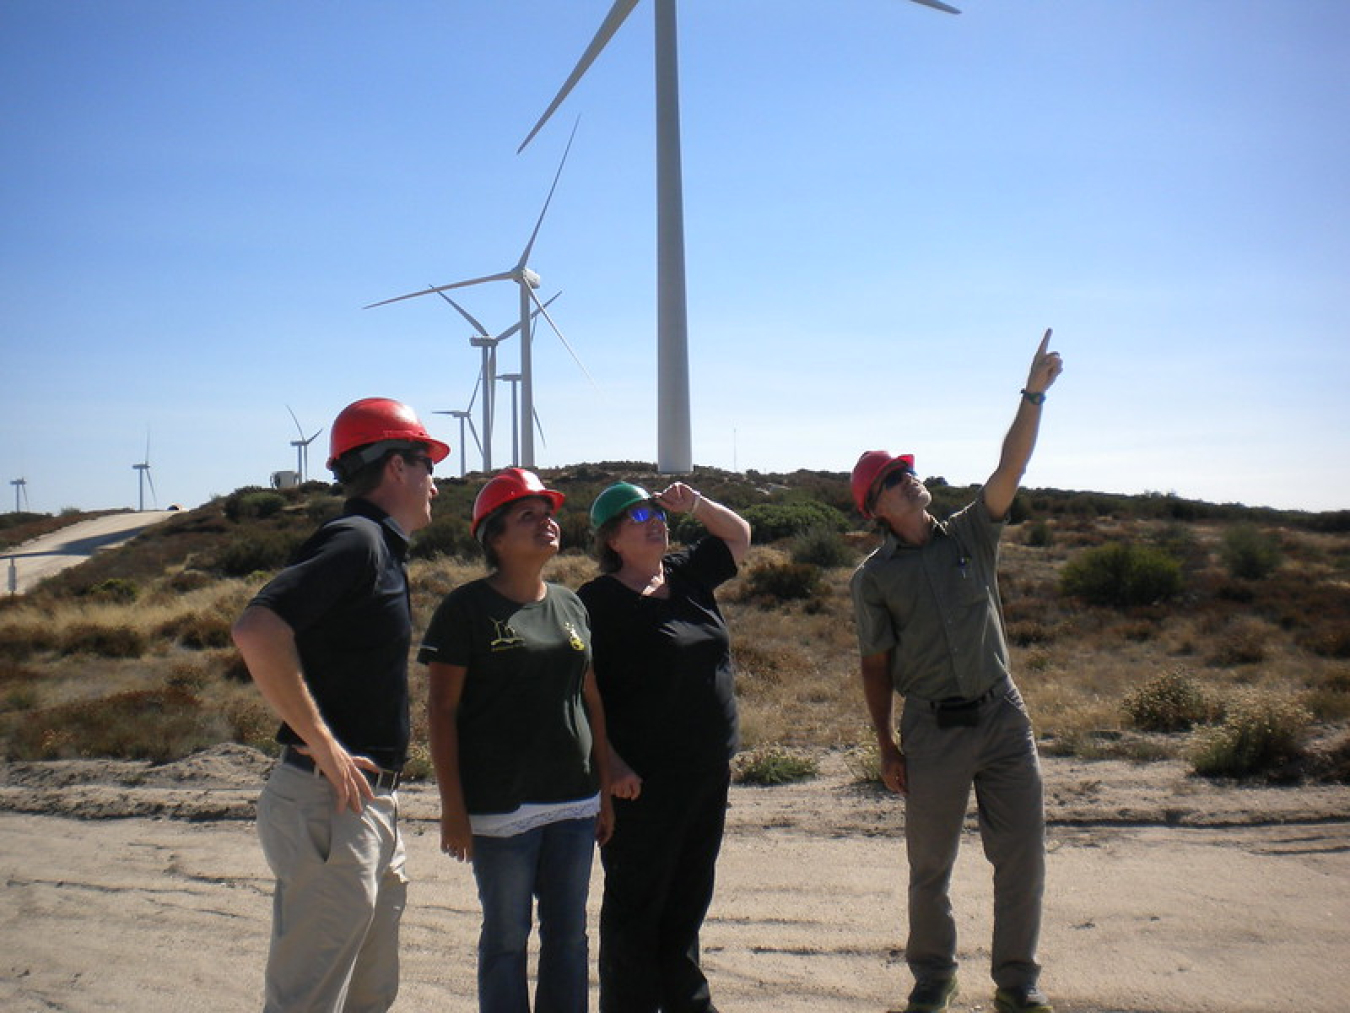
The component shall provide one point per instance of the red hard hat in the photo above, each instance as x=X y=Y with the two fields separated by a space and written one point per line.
x=871 y=466
x=507 y=486
x=375 y=420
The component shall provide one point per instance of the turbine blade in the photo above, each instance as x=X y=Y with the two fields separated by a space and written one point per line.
x=539 y=426
x=479 y=328
x=525 y=254
x=937 y=6
x=313 y=438
x=474 y=431
x=503 y=276
x=476 y=384
x=516 y=326
x=298 y=428
x=154 y=497
x=615 y=18
x=565 y=342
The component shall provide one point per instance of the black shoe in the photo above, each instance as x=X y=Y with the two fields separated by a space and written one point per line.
x=932 y=996
x=1027 y=999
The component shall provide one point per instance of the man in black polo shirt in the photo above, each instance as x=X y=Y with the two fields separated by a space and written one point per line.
x=327 y=643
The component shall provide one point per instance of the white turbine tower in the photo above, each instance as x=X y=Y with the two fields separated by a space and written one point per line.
x=673 y=443
x=20 y=487
x=144 y=476
x=302 y=447
x=528 y=281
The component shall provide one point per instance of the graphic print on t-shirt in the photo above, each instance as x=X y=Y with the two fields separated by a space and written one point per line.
x=506 y=637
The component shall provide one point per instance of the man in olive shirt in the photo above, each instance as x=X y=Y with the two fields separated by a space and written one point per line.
x=930 y=628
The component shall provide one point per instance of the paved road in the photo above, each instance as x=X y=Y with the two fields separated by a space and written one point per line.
x=27 y=564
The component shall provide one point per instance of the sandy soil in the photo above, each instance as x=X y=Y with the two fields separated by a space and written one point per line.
x=131 y=887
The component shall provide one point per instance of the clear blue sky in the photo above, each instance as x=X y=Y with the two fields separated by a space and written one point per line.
x=885 y=207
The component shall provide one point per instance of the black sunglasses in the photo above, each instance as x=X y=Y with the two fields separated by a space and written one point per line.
x=894 y=478
x=420 y=459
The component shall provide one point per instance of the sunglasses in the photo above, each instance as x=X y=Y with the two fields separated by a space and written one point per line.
x=895 y=477
x=420 y=459
x=643 y=513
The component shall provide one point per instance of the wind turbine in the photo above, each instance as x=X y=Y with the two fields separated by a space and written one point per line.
x=301 y=447
x=674 y=447
x=514 y=380
x=20 y=486
x=487 y=372
x=144 y=468
x=465 y=415
x=528 y=281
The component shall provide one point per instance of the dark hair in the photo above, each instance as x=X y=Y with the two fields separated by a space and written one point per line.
x=360 y=477
x=610 y=561
x=493 y=525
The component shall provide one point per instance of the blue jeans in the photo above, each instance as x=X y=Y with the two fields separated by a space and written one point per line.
x=553 y=864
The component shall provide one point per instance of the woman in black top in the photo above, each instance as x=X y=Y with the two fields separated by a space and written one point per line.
x=663 y=664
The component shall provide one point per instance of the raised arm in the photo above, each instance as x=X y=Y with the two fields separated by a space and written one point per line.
x=721 y=521
x=1021 y=439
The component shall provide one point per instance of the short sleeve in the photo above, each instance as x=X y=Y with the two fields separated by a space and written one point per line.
x=875 y=629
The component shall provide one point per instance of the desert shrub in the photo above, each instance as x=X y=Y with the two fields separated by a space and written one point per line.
x=115 y=589
x=783 y=581
x=253 y=504
x=772 y=521
x=22 y=640
x=251 y=723
x=864 y=763
x=120 y=640
x=256 y=551
x=1243 y=642
x=772 y=765
x=823 y=547
x=198 y=630
x=1025 y=632
x=1121 y=574
x=1249 y=553
x=158 y=725
x=1260 y=731
x=1170 y=702
x=446 y=535
x=1328 y=638
x=188 y=677
x=1039 y=535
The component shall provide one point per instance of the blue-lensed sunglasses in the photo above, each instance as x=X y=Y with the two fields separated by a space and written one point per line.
x=644 y=512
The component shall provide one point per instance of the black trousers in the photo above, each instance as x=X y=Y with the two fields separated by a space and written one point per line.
x=659 y=873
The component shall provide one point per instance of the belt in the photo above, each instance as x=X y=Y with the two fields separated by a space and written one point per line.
x=956 y=703
x=380 y=780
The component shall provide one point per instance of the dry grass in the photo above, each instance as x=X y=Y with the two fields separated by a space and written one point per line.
x=797 y=667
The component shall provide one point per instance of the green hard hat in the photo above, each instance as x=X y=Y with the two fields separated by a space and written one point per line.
x=614 y=501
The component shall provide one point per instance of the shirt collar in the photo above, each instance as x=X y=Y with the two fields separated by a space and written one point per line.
x=892 y=546
x=393 y=534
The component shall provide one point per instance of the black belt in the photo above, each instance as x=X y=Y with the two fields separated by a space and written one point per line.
x=380 y=780
x=956 y=703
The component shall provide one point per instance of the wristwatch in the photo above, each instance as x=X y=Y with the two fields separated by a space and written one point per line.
x=1037 y=398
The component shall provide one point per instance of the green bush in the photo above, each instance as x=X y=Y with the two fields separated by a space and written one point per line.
x=783 y=581
x=1249 y=553
x=772 y=521
x=1260 y=731
x=446 y=535
x=821 y=547
x=256 y=551
x=252 y=503
x=1121 y=574
x=775 y=765
x=115 y=589
x=1170 y=702
x=198 y=630
x=1039 y=535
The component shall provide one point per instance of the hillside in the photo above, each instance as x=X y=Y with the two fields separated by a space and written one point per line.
x=128 y=655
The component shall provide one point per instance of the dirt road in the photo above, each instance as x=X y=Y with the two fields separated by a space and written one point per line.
x=25 y=566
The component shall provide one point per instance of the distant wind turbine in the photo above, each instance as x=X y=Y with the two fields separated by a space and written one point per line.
x=302 y=447
x=144 y=469
x=674 y=445
x=465 y=415
x=20 y=487
x=527 y=281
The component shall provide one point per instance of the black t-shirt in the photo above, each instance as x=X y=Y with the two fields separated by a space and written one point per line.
x=524 y=736
x=345 y=595
x=664 y=664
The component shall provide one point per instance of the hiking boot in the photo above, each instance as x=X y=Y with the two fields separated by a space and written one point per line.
x=933 y=996
x=1028 y=999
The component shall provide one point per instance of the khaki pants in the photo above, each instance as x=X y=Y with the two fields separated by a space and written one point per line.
x=997 y=755
x=340 y=892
